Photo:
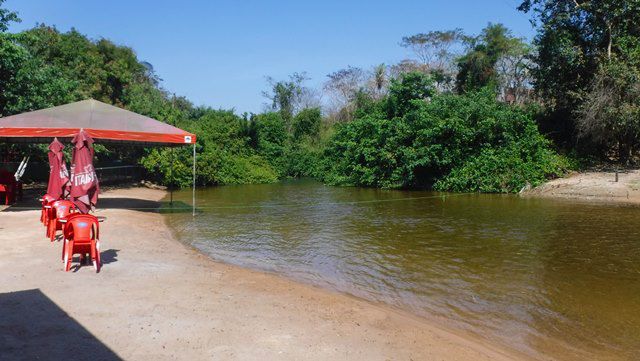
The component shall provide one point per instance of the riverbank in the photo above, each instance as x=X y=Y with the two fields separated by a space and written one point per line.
x=158 y=299
x=593 y=186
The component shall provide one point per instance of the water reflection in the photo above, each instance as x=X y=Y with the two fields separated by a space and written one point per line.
x=553 y=278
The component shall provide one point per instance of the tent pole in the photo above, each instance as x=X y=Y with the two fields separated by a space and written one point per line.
x=193 y=191
x=173 y=161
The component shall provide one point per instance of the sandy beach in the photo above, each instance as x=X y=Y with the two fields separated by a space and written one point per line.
x=593 y=186
x=157 y=299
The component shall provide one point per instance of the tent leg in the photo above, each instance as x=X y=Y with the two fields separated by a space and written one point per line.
x=173 y=161
x=193 y=191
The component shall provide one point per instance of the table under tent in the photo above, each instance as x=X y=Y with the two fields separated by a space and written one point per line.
x=105 y=123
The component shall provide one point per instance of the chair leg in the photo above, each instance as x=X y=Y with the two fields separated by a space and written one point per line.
x=95 y=249
x=68 y=256
x=64 y=248
x=54 y=229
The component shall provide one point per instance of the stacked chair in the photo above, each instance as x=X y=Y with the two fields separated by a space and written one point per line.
x=80 y=232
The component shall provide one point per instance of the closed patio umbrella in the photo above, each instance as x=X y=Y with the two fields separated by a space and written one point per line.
x=58 y=174
x=84 y=182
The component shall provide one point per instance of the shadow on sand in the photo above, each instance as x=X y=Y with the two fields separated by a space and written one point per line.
x=32 y=327
x=109 y=256
x=30 y=201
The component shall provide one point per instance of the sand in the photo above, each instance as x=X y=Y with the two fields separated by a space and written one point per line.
x=593 y=186
x=157 y=299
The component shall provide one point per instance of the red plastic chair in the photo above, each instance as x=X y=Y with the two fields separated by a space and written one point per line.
x=59 y=209
x=46 y=200
x=81 y=236
x=9 y=193
x=9 y=187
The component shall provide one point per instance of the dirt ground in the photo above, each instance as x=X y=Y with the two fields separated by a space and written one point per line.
x=156 y=299
x=594 y=186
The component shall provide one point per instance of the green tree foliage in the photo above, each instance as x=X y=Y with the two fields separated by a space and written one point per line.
x=224 y=154
x=477 y=68
x=307 y=124
x=398 y=128
x=104 y=71
x=27 y=82
x=574 y=38
x=406 y=90
x=270 y=137
x=294 y=153
x=461 y=143
x=289 y=97
x=6 y=17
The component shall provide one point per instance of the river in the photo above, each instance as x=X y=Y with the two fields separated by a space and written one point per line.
x=551 y=278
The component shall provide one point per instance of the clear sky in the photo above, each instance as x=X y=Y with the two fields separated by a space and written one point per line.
x=217 y=53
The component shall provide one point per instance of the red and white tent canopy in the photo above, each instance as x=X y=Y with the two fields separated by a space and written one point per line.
x=102 y=121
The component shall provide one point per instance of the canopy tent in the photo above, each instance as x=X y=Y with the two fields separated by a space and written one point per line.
x=103 y=122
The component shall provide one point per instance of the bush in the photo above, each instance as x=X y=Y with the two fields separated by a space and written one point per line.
x=503 y=170
x=456 y=142
x=224 y=155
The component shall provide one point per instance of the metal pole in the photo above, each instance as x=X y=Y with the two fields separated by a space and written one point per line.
x=173 y=161
x=193 y=197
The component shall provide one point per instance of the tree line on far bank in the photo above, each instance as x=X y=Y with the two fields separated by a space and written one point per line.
x=488 y=113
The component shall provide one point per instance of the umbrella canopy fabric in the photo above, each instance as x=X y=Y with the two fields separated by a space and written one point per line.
x=101 y=121
x=58 y=174
x=84 y=181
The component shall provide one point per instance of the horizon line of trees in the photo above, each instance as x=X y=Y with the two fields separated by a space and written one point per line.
x=487 y=112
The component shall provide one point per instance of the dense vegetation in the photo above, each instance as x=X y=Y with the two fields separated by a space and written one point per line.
x=488 y=113
x=467 y=142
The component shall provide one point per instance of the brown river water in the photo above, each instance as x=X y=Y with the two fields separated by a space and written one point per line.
x=552 y=278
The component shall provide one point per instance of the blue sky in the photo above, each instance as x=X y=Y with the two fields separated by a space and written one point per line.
x=217 y=53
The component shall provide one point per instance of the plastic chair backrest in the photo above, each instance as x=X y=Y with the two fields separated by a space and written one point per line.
x=62 y=208
x=47 y=199
x=82 y=226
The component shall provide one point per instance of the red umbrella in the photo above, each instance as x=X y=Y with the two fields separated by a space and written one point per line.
x=84 y=182
x=58 y=174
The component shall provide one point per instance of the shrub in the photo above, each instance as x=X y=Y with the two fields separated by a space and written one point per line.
x=465 y=142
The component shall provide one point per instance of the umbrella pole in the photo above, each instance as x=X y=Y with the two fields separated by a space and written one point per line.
x=193 y=191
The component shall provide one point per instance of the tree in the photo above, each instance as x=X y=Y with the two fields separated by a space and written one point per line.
x=26 y=83
x=307 y=123
x=436 y=52
x=610 y=114
x=378 y=81
x=435 y=47
x=342 y=86
x=513 y=72
x=7 y=17
x=270 y=136
x=408 y=88
x=290 y=97
x=468 y=142
x=574 y=38
x=477 y=68
x=407 y=66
